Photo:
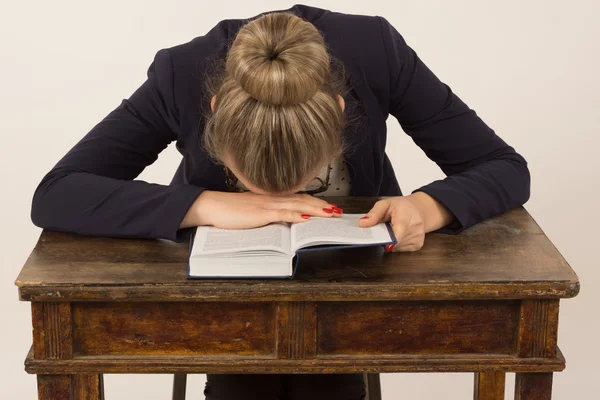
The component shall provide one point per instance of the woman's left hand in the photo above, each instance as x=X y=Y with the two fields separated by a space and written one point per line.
x=412 y=217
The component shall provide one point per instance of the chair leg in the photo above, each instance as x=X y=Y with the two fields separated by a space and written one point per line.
x=179 y=385
x=373 y=385
x=101 y=384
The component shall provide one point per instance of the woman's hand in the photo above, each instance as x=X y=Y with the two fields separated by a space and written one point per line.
x=250 y=210
x=412 y=217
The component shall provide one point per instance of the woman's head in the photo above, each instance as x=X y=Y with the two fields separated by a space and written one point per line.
x=277 y=112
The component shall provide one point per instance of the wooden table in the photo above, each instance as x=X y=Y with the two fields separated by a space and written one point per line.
x=485 y=301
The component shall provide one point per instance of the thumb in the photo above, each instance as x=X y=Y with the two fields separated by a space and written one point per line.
x=379 y=213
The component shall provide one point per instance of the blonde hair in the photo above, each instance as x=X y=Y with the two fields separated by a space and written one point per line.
x=276 y=116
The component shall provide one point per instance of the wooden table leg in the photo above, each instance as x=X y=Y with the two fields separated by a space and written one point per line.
x=489 y=385
x=54 y=387
x=70 y=387
x=533 y=386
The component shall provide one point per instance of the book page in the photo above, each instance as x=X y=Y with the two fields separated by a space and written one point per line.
x=337 y=230
x=272 y=237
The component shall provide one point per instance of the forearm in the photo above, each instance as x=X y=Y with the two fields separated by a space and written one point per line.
x=481 y=192
x=95 y=205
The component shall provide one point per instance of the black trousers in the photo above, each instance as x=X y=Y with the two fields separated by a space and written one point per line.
x=285 y=387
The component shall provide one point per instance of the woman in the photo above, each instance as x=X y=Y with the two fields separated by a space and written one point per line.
x=267 y=112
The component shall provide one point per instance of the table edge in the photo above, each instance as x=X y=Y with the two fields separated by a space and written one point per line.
x=308 y=292
x=191 y=364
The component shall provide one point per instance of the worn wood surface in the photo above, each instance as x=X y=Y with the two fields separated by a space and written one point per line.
x=296 y=330
x=54 y=387
x=442 y=327
x=489 y=385
x=503 y=257
x=174 y=328
x=533 y=386
x=52 y=330
x=208 y=337
x=87 y=387
x=194 y=364
x=485 y=301
x=301 y=330
x=70 y=387
x=213 y=365
x=538 y=333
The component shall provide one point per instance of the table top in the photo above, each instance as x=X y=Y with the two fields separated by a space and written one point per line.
x=504 y=257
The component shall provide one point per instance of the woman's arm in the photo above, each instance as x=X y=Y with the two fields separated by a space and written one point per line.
x=91 y=190
x=485 y=176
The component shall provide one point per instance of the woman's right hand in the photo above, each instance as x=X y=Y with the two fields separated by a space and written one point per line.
x=250 y=210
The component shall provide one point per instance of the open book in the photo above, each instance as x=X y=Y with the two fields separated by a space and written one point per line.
x=269 y=251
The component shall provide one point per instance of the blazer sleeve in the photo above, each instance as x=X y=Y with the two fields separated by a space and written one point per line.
x=484 y=175
x=92 y=190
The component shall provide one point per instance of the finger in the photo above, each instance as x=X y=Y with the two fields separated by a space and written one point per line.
x=283 y=215
x=337 y=211
x=379 y=213
x=320 y=202
x=307 y=199
x=300 y=206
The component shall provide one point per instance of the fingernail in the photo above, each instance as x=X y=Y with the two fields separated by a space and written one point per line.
x=388 y=247
x=328 y=210
x=306 y=216
x=337 y=210
x=365 y=217
x=335 y=205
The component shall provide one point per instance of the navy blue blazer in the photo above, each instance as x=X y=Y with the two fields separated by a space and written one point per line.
x=92 y=190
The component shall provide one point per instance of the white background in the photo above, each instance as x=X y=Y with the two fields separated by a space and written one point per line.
x=529 y=69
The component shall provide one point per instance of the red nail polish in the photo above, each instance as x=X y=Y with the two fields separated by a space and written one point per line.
x=335 y=205
x=306 y=216
x=337 y=210
x=328 y=210
x=365 y=217
x=388 y=247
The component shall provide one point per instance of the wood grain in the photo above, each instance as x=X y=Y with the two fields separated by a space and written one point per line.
x=52 y=330
x=296 y=330
x=489 y=385
x=276 y=291
x=174 y=328
x=70 y=387
x=533 y=386
x=488 y=327
x=261 y=364
x=507 y=256
x=484 y=301
x=87 y=387
x=54 y=387
x=538 y=333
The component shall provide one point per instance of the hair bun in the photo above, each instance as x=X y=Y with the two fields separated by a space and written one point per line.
x=279 y=58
